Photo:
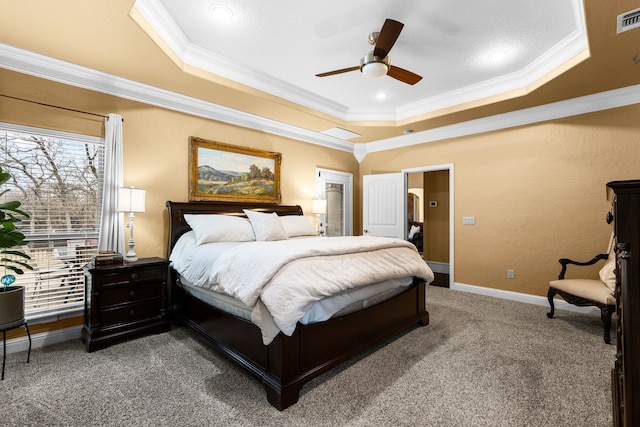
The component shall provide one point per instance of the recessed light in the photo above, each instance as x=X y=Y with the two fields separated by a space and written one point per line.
x=382 y=95
x=497 y=56
x=221 y=12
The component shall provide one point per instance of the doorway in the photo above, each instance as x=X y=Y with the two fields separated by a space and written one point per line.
x=337 y=189
x=431 y=189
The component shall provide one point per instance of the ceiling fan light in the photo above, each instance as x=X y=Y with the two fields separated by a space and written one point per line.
x=375 y=70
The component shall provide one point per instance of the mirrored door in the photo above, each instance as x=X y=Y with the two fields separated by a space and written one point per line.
x=336 y=188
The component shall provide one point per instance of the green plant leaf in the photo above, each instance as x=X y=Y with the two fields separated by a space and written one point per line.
x=16 y=253
x=10 y=236
x=4 y=177
x=11 y=262
x=13 y=268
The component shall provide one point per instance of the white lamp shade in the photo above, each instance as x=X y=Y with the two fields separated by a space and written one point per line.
x=131 y=199
x=319 y=206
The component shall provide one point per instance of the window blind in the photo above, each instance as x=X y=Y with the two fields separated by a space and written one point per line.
x=58 y=178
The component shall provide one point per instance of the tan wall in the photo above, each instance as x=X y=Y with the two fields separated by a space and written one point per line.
x=436 y=219
x=156 y=144
x=537 y=193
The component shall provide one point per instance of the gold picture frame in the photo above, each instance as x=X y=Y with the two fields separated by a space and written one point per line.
x=225 y=172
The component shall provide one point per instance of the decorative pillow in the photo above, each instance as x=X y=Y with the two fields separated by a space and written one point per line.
x=298 y=225
x=608 y=274
x=209 y=228
x=414 y=229
x=266 y=226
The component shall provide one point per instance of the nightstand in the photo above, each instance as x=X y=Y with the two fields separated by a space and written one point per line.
x=123 y=301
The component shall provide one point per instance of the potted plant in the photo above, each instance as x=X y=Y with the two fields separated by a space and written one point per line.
x=11 y=297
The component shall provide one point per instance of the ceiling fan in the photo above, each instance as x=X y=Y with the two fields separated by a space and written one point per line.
x=376 y=63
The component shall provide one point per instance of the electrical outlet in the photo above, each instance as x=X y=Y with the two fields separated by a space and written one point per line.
x=511 y=274
x=469 y=220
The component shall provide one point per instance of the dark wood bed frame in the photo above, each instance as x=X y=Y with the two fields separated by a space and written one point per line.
x=287 y=363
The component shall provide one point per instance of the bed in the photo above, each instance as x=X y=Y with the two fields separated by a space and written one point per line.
x=284 y=362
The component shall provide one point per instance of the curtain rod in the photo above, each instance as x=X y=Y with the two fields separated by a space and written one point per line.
x=56 y=106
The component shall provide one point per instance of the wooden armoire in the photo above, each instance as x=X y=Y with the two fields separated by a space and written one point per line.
x=625 y=375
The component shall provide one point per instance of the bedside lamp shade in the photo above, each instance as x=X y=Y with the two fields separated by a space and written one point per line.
x=319 y=206
x=131 y=199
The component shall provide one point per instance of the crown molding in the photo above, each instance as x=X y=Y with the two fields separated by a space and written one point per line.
x=156 y=17
x=30 y=63
x=151 y=13
x=571 y=107
x=63 y=72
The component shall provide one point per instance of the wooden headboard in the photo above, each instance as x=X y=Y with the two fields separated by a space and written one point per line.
x=178 y=226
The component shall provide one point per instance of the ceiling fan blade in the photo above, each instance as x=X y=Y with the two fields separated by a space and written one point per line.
x=387 y=38
x=343 y=70
x=403 y=75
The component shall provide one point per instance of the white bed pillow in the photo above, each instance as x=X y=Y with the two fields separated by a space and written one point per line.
x=414 y=229
x=266 y=226
x=210 y=228
x=298 y=225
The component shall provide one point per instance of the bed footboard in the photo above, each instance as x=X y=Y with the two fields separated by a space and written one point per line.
x=288 y=363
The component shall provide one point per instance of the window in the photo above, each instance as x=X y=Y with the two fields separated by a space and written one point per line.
x=58 y=178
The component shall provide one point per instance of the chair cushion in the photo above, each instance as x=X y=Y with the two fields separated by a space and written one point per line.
x=608 y=273
x=590 y=289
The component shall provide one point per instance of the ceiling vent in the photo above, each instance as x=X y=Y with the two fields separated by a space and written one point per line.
x=629 y=20
x=340 y=133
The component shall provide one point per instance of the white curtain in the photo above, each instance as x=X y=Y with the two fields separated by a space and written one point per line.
x=111 y=222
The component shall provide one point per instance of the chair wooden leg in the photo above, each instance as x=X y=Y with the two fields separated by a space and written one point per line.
x=606 y=312
x=550 y=294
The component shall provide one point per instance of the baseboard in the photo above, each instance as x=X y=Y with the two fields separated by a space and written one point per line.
x=520 y=297
x=42 y=339
x=438 y=267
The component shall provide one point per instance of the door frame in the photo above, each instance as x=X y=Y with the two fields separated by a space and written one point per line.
x=434 y=168
x=346 y=179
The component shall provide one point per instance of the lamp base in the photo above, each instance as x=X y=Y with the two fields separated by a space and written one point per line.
x=131 y=255
x=130 y=258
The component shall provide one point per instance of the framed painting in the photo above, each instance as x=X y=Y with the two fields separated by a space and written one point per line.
x=225 y=172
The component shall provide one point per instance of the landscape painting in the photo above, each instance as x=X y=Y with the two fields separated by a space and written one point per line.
x=232 y=173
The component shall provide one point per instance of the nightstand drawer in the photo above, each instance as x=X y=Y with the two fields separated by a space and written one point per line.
x=129 y=293
x=130 y=276
x=130 y=313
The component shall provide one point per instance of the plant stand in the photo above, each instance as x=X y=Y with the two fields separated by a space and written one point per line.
x=12 y=317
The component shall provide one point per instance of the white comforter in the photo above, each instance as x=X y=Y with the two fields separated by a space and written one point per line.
x=281 y=279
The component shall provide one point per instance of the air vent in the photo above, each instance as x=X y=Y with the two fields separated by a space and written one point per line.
x=340 y=133
x=629 y=20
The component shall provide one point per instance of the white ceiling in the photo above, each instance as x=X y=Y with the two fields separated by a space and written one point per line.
x=278 y=46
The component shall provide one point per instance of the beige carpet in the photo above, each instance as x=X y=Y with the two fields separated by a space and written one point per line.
x=481 y=362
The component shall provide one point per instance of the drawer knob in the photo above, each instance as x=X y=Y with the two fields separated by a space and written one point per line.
x=131 y=313
x=133 y=276
x=132 y=293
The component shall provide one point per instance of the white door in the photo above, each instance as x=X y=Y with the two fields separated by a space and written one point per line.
x=336 y=188
x=383 y=205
